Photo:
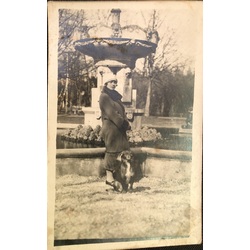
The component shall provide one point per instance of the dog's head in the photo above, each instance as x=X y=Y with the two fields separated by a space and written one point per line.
x=125 y=156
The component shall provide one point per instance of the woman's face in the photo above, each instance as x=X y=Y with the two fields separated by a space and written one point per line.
x=112 y=84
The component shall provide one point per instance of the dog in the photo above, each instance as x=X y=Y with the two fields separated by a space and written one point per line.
x=126 y=173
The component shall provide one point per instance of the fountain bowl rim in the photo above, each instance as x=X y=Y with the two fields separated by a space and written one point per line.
x=98 y=39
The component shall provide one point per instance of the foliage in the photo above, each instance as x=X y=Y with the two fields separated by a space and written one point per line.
x=172 y=92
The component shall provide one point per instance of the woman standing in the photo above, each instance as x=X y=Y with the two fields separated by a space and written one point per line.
x=114 y=127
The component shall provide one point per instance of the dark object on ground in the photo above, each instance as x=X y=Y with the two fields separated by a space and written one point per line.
x=116 y=185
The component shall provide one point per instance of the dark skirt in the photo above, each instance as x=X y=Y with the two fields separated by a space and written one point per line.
x=110 y=161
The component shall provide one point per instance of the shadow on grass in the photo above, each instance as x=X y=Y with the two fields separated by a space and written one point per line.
x=139 y=189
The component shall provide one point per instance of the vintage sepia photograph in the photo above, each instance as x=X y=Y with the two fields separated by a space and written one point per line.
x=124 y=124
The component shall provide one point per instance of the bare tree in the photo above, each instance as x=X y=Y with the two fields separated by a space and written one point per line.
x=72 y=65
x=166 y=57
x=70 y=22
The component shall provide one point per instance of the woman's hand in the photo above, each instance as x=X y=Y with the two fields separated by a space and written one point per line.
x=126 y=126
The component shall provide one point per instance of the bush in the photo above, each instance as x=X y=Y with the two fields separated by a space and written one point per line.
x=83 y=134
x=86 y=134
x=143 y=135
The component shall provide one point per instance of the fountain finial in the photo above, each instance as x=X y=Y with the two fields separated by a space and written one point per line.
x=116 y=27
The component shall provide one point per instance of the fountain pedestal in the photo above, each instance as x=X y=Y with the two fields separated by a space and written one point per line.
x=105 y=69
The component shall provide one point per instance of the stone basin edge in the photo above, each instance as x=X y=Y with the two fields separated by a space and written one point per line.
x=99 y=152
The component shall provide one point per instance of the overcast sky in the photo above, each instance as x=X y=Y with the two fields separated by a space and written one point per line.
x=180 y=20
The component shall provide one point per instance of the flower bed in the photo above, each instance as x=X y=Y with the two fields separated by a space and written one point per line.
x=88 y=135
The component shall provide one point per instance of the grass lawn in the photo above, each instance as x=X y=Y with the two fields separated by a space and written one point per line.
x=86 y=208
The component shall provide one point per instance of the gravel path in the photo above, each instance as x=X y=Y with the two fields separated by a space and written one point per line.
x=86 y=208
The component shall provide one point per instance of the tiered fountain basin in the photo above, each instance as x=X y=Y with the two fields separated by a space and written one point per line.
x=125 y=51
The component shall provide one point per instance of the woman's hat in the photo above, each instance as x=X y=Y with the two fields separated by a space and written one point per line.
x=109 y=79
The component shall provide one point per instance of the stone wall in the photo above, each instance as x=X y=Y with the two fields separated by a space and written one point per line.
x=153 y=162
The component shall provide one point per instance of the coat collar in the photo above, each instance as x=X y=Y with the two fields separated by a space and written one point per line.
x=113 y=94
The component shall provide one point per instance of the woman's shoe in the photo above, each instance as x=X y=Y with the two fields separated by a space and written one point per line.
x=116 y=185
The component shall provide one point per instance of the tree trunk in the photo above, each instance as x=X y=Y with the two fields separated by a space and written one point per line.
x=66 y=94
x=147 y=105
x=149 y=62
x=162 y=106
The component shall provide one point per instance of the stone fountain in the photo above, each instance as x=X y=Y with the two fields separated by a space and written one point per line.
x=116 y=55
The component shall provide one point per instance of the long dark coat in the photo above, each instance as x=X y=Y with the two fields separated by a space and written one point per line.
x=114 y=126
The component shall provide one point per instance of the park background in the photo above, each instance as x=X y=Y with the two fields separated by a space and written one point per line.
x=164 y=80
